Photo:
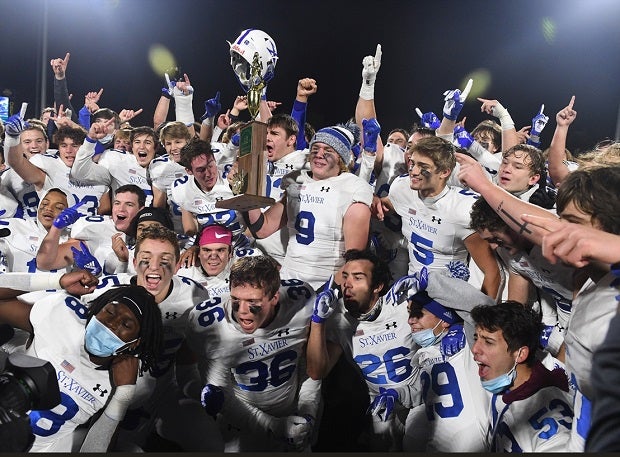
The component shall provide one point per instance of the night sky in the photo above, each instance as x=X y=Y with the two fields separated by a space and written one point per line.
x=534 y=52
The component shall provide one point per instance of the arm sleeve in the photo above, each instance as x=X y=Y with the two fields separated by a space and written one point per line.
x=87 y=171
x=85 y=117
x=299 y=114
x=61 y=97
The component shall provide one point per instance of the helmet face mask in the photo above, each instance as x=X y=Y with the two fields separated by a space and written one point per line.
x=242 y=52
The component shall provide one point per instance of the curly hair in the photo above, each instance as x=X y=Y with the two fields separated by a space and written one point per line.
x=151 y=334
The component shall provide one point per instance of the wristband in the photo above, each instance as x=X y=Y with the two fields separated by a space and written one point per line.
x=45 y=281
x=120 y=402
x=254 y=226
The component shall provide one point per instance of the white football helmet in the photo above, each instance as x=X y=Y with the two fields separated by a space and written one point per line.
x=242 y=53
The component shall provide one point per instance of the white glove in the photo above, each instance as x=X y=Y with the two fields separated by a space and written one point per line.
x=294 y=430
x=370 y=68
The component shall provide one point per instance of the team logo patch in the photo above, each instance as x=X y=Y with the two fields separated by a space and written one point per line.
x=412 y=211
x=247 y=342
x=359 y=332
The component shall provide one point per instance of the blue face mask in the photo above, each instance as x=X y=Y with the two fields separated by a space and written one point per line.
x=426 y=337
x=499 y=384
x=101 y=341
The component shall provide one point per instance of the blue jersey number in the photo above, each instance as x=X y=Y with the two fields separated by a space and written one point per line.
x=57 y=420
x=212 y=311
x=397 y=370
x=304 y=224
x=279 y=371
x=444 y=383
x=422 y=249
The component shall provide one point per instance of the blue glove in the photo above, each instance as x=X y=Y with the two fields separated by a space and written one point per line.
x=409 y=285
x=324 y=304
x=453 y=342
x=212 y=107
x=383 y=404
x=235 y=139
x=429 y=120
x=544 y=335
x=167 y=91
x=462 y=137
x=85 y=260
x=372 y=129
x=538 y=124
x=454 y=100
x=68 y=216
x=212 y=399
x=15 y=124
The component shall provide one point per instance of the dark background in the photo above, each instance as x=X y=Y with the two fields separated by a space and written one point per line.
x=533 y=51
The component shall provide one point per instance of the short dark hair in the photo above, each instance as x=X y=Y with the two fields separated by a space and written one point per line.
x=159 y=232
x=132 y=188
x=75 y=134
x=151 y=333
x=193 y=149
x=520 y=325
x=483 y=217
x=286 y=122
x=143 y=130
x=380 y=271
x=440 y=151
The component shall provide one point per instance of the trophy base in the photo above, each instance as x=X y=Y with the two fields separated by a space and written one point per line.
x=245 y=202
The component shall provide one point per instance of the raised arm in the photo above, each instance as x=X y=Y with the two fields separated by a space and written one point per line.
x=29 y=172
x=509 y=133
x=558 y=171
x=305 y=88
x=61 y=93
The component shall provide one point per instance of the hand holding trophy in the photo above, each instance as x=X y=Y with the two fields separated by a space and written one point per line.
x=253 y=58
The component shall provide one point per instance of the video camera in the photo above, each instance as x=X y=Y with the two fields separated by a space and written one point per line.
x=26 y=383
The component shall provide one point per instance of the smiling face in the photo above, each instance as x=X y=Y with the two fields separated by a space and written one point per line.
x=155 y=262
x=124 y=208
x=424 y=319
x=67 y=150
x=33 y=142
x=424 y=175
x=214 y=257
x=251 y=307
x=143 y=148
x=50 y=207
x=173 y=147
x=324 y=161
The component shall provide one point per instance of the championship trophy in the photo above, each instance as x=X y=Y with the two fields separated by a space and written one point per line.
x=253 y=58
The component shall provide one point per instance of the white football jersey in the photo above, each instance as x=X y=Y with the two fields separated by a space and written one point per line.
x=164 y=172
x=276 y=244
x=125 y=169
x=188 y=196
x=435 y=227
x=25 y=194
x=7 y=202
x=264 y=367
x=593 y=308
x=315 y=212
x=96 y=232
x=21 y=246
x=58 y=176
x=535 y=417
x=59 y=322
x=453 y=417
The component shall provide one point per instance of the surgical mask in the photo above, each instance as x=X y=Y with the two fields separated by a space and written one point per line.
x=101 y=341
x=106 y=139
x=426 y=337
x=500 y=383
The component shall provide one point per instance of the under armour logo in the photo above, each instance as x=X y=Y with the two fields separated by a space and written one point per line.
x=217 y=199
x=283 y=332
x=170 y=315
x=324 y=189
x=97 y=388
x=436 y=219
x=392 y=325
x=288 y=166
